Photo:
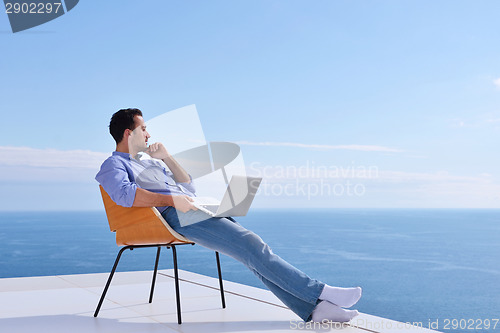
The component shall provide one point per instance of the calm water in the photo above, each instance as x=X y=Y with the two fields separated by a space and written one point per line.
x=414 y=265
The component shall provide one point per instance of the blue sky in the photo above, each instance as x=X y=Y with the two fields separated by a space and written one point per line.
x=409 y=89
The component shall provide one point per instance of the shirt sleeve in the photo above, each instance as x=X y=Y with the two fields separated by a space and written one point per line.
x=115 y=180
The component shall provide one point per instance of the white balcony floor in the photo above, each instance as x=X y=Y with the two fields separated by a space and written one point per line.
x=66 y=304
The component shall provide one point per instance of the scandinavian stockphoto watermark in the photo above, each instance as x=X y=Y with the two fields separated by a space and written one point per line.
x=312 y=180
x=26 y=14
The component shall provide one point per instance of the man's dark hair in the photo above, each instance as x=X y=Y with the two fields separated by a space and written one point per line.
x=121 y=120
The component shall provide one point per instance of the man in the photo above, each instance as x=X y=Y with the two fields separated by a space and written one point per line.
x=132 y=181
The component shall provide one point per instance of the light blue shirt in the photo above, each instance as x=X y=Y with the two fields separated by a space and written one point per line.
x=120 y=175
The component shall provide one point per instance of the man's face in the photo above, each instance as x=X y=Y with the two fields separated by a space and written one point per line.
x=138 y=138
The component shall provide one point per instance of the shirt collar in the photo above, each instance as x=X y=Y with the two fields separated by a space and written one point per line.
x=124 y=155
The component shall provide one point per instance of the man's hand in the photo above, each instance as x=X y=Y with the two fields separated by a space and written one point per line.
x=157 y=150
x=183 y=203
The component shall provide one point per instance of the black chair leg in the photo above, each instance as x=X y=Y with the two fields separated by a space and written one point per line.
x=110 y=278
x=177 y=292
x=176 y=275
x=154 y=275
x=221 y=286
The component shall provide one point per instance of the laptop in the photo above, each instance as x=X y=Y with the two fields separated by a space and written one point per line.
x=236 y=201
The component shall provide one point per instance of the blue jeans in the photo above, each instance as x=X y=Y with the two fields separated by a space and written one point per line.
x=294 y=288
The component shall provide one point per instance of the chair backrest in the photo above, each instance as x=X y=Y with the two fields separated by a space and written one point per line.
x=139 y=225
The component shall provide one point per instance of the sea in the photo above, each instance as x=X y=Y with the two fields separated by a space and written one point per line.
x=437 y=268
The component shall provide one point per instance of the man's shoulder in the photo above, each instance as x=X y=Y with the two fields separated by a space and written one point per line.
x=115 y=162
x=116 y=159
x=112 y=165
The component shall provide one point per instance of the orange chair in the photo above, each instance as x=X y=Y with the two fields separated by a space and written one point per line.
x=139 y=227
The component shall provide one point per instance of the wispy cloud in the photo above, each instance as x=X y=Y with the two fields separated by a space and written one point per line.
x=51 y=158
x=496 y=82
x=458 y=123
x=318 y=146
x=478 y=121
x=440 y=176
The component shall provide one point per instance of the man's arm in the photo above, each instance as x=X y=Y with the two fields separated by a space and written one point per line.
x=158 y=150
x=114 y=178
x=180 y=175
x=145 y=198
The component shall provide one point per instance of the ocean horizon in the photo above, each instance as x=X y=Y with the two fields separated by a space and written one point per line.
x=415 y=265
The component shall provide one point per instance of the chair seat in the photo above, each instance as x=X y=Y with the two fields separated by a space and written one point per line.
x=139 y=225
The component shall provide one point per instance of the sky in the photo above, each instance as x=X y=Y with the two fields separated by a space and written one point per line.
x=336 y=104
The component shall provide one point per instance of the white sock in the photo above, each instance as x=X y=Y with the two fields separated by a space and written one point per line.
x=331 y=312
x=343 y=297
